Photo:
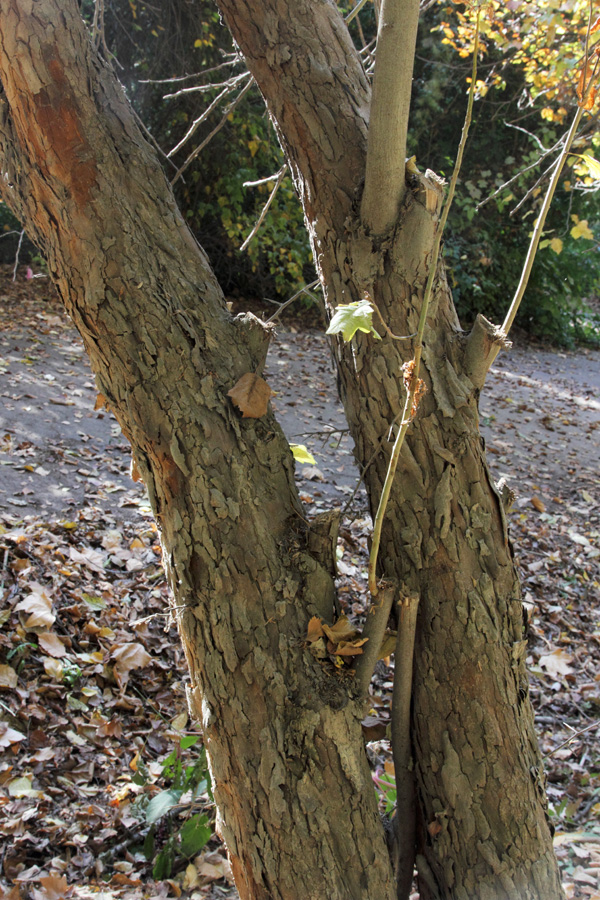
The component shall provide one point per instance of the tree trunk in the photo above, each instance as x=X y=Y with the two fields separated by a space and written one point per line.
x=295 y=799
x=482 y=823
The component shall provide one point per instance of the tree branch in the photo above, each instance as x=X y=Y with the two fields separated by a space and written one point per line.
x=386 y=151
x=404 y=820
x=310 y=73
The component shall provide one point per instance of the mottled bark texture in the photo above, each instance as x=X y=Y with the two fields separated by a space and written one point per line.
x=295 y=799
x=482 y=826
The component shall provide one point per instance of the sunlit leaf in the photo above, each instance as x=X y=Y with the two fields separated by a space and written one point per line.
x=556 y=663
x=128 y=657
x=54 y=668
x=39 y=606
x=592 y=165
x=160 y=805
x=556 y=244
x=302 y=455
x=352 y=317
x=55 y=887
x=581 y=229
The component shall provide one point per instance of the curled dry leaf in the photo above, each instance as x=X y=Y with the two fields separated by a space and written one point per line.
x=349 y=648
x=8 y=677
x=52 y=644
x=9 y=735
x=128 y=657
x=251 y=395
x=556 y=663
x=343 y=630
x=538 y=504
x=39 y=606
x=315 y=630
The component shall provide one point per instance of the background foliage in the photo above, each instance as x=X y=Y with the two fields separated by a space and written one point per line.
x=526 y=96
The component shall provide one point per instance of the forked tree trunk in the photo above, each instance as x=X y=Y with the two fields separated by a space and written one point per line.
x=295 y=799
x=482 y=823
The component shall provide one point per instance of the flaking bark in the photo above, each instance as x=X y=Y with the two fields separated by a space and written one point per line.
x=295 y=799
x=282 y=734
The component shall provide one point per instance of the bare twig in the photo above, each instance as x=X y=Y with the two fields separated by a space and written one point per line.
x=215 y=131
x=21 y=236
x=305 y=289
x=528 y=168
x=230 y=86
x=261 y=180
x=205 y=88
x=388 y=330
x=575 y=734
x=533 y=187
x=280 y=176
x=354 y=12
x=232 y=59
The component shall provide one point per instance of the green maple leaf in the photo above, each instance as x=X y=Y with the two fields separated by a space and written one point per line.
x=352 y=317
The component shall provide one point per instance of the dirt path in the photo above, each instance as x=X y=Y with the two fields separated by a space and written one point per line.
x=540 y=418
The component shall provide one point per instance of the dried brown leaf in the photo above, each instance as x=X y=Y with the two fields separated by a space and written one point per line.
x=343 y=630
x=39 y=606
x=55 y=887
x=251 y=395
x=52 y=644
x=128 y=657
x=349 y=648
x=8 y=677
x=315 y=629
x=9 y=735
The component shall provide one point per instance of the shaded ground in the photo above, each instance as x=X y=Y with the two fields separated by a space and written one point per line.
x=75 y=530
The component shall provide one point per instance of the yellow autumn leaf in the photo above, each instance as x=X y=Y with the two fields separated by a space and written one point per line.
x=581 y=229
x=591 y=164
x=556 y=244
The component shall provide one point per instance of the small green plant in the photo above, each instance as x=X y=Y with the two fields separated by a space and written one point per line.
x=385 y=787
x=168 y=839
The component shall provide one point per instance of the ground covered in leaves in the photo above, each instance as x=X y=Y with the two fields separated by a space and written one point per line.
x=103 y=784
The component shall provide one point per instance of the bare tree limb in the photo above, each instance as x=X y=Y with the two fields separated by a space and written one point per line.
x=215 y=130
x=280 y=176
x=385 y=184
x=230 y=86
